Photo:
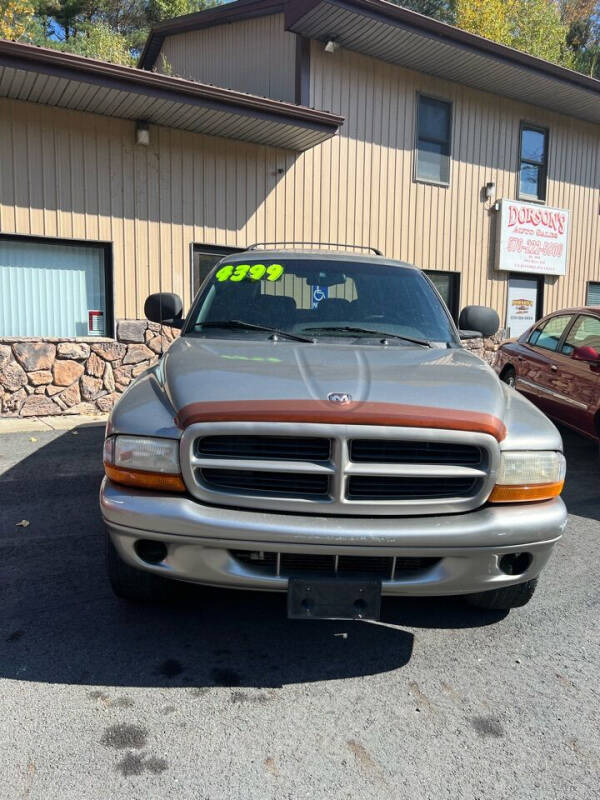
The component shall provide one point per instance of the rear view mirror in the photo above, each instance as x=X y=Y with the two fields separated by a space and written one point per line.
x=325 y=279
x=480 y=319
x=585 y=353
x=165 y=308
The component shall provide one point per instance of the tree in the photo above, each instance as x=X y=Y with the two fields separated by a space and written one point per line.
x=101 y=41
x=113 y=30
x=159 y=10
x=582 y=18
x=489 y=18
x=15 y=15
x=438 y=9
x=534 y=26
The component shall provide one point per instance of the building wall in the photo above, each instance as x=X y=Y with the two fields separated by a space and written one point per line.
x=367 y=195
x=81 y=176
x=72 y=175
x=255 y=56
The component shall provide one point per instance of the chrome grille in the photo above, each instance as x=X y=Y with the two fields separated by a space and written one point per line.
x=378 y=487
x=338 y=469
x=267 y=483
x=299 y=564
x=309 y=448
x=400 y=452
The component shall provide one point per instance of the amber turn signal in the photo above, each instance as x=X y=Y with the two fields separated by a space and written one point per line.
x=525 y=494
x=145 y=480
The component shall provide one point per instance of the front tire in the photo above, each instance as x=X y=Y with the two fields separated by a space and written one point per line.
x=506 y=598
x=129 y=583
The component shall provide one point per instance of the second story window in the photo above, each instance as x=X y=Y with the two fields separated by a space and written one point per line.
x=533 y=162
x=433 y=140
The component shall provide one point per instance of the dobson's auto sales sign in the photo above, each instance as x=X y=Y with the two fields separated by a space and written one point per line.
x=532 y=238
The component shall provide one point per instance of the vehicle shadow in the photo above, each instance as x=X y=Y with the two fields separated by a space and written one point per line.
x=62 y=624
x=582 y=486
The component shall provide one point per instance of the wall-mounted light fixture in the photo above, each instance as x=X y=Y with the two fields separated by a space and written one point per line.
x=331 y=46
x=142 y=133
x=490 y=190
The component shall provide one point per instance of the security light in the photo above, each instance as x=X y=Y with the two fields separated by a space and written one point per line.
x=142 y=133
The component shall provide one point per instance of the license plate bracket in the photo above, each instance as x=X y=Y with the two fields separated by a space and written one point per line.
x=334 y=598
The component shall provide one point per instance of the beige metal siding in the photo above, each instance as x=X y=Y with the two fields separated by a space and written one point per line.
x=255 y=56
x=71 y=174
x=368 y=194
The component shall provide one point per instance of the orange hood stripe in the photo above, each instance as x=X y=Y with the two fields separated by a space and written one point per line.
x=394 y=414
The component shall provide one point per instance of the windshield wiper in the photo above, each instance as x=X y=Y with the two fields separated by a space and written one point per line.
x=240 y=324
x=383 y=334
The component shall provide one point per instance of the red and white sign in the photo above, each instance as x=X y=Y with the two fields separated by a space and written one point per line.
x=95 y=322
x=532 y=238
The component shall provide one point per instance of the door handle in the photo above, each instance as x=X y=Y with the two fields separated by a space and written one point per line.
x=553 y=367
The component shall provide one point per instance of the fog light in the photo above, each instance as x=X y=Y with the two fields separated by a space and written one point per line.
x=515 y=563
x=151 y=551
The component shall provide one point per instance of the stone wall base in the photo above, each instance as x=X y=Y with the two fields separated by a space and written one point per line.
x=45 y=376
x=486 y=348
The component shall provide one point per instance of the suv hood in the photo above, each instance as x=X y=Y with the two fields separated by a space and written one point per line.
x=230 y=379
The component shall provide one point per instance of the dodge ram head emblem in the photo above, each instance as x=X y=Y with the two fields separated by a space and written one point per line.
x=339 y=398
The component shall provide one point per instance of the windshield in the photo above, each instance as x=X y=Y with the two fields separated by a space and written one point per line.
x=320 y=299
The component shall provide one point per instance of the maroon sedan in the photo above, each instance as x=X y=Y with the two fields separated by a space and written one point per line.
x=556 y=364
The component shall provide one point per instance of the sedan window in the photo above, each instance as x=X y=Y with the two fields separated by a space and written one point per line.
x=549 y=334
x=584 y=333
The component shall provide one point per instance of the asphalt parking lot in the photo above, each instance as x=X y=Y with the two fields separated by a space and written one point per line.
x=221 y=696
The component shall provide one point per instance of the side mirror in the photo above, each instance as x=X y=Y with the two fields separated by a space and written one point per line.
x=585 y=353
x=478 y=318
x=165 y=308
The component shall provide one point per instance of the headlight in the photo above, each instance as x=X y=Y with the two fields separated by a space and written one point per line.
x=143 y=462
x=529 y=475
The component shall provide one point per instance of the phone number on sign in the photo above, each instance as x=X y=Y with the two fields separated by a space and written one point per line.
x=534 y=247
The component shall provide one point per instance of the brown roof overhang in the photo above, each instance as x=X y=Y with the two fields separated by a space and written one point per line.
x=391 y=33
x=65 y=80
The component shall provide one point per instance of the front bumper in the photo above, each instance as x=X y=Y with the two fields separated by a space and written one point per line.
x=200 y=539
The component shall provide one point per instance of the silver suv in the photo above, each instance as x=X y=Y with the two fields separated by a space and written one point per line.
x=318 y=429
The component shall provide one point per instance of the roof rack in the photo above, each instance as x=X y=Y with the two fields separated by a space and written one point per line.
x=258 y=245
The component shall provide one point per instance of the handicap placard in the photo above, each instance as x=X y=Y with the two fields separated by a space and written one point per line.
x=319 y=293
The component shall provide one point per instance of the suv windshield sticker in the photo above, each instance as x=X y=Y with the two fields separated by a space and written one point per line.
x=252 y=272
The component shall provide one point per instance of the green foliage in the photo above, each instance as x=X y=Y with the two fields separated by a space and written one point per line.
x=542 y=33
x=100 y=41
x=582 y=18
x=112 y=30
x=159 y=10
x=566 y=32
x=438 y=9
x=534 y=26
x=15 y=17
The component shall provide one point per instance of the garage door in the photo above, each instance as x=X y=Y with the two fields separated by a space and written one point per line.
x=51 y=289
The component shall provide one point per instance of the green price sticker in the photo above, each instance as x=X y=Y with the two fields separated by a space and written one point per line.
x=249 y=272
